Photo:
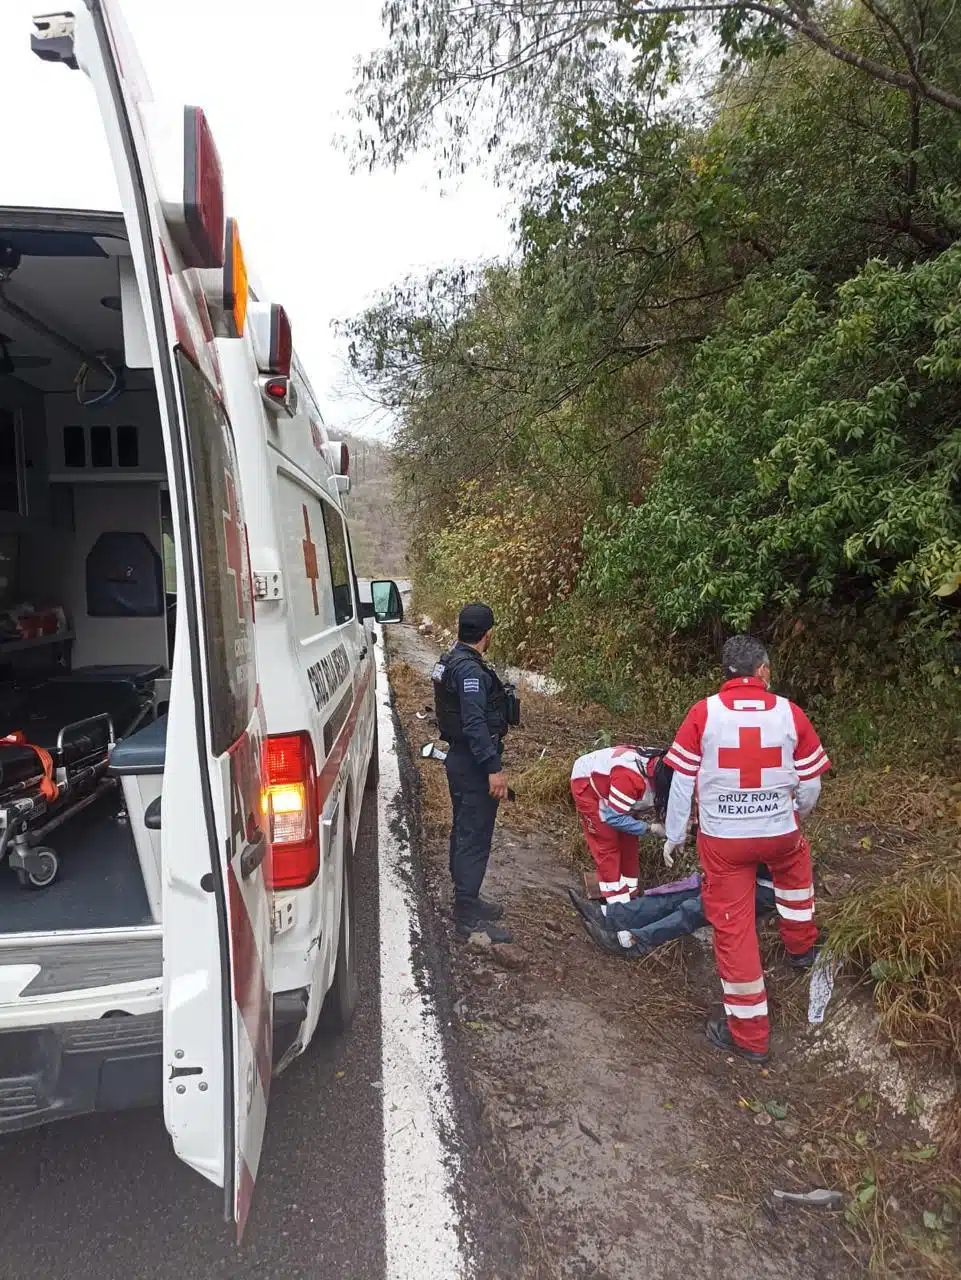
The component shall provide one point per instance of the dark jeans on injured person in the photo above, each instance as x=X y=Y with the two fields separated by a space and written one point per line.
x=657 y=918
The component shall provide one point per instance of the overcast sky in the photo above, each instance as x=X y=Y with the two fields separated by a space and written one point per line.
x=273 y=77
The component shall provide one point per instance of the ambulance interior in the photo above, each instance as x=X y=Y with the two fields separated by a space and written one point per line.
x=87 y=584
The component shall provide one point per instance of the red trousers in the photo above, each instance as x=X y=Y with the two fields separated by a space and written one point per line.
x=730 y=869
x=615 y=853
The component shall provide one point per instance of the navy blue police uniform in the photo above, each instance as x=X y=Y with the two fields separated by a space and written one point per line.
x=473 y=716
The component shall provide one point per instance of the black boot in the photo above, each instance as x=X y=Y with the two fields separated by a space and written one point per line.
x=591 y=911
x=609 y=942
x=464 y=926
x=719 y=1034
x=485 y=910
x=806 y=960
x=477 y=909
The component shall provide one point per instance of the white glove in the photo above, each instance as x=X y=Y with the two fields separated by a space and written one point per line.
x=670 y=848
x=657 y=829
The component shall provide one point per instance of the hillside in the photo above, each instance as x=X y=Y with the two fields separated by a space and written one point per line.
x=378 y=528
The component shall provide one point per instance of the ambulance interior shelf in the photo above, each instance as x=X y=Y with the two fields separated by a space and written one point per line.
x=33 y=642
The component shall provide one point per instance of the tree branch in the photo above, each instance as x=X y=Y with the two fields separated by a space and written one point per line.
x=797 y=18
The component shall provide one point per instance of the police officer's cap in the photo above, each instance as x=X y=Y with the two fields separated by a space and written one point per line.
x=474 y=621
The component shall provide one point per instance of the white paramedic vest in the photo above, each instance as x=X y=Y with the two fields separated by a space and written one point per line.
x=747 y=777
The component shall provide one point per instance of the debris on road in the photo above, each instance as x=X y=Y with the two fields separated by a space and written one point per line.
x=588 y=1132
x=508 y=955
x=820 y=1198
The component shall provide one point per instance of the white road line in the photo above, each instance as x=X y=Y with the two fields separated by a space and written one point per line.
x=422 y=1222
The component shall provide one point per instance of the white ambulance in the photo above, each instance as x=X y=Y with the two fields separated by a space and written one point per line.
x=187 y=723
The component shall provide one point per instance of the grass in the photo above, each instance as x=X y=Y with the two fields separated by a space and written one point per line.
x=906 y=933
x=545 y=783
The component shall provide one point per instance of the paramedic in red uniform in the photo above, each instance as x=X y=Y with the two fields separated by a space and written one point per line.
x=610 y=788
x=756 y=763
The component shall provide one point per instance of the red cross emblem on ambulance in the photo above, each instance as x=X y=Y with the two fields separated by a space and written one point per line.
x=310 y=559
x=750 y=758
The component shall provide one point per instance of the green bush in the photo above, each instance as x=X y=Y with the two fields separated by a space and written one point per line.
x=811 y=454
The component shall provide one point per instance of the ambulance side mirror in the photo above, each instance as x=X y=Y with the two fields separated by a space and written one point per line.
x=386 y=604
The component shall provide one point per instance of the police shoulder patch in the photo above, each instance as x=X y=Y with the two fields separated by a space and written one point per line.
x=472 y=685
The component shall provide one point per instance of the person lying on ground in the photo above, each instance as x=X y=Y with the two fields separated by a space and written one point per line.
x=611 y=788
x=658 y=915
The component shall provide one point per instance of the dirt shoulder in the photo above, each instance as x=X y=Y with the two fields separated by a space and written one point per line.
x=619 y=1142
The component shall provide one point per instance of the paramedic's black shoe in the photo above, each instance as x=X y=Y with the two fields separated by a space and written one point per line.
x=608 y=941
x=719 y=1034
x=591 y=911
x=465 y=926
x=805 y=961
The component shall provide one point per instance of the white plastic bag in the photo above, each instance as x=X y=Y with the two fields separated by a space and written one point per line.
x=826 y=969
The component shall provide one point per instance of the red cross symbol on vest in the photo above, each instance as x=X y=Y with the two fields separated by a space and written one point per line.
x=310 y=559
x=235 y=555
x=750 y=758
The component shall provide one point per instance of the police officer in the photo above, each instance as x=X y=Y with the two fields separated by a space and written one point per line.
x=474 y=709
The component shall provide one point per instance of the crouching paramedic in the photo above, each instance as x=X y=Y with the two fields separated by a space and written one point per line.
x=756 y=761
x=474 y=711
x=611 y=788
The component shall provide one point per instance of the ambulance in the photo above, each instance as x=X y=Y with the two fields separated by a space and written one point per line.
x=187 y=720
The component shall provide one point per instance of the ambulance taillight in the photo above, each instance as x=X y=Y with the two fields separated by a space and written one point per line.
x=191 y=182
x=203 y=192
x=290 y=806
x=272 y=337
x=277 y=389
x=338 y=456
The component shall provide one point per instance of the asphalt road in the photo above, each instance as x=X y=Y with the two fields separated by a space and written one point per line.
x=105 y=1197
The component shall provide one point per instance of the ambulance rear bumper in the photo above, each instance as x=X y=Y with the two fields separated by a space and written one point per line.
x=105 y=1064
x=69 y=1069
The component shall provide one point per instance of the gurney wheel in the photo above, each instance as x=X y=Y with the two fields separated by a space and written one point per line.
x=46 y=868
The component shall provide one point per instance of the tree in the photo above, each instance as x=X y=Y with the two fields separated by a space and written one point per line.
x=471 y=75
x=630 y=249
x=812 y=454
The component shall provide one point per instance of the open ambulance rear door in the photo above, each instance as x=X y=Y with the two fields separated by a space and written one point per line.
x=216 y=893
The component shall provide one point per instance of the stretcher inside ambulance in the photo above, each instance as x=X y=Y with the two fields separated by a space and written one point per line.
x=187 y=726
